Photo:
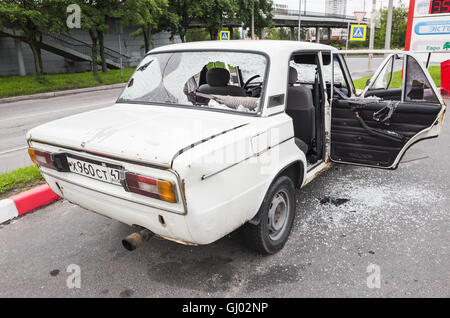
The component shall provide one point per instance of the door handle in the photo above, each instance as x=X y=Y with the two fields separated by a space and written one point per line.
x=383 y=133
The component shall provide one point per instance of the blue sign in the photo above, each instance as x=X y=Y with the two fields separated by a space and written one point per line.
x=224 y=35
x=432 y=27
x=358 y=32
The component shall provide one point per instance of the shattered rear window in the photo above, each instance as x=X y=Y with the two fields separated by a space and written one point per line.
x=231 y=81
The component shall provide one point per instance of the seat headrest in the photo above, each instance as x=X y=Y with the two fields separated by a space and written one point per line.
x=218 y=77
x=293 y=75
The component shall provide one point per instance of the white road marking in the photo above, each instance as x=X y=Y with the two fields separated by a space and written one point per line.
x=12 y=150
x=54 y=112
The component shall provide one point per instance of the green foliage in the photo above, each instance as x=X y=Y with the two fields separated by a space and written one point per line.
x=25 y=85
x=150 y=16
x=212 y=14
x=399 y=21
x=236 y=34
x=143 y=12
x=278 y=34
x=200 y=34
x=262 y=10
x=19 y=177
x=181 y=14
x=30 y=18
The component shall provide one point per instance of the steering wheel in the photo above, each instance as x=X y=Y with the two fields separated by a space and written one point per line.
x=250 y=80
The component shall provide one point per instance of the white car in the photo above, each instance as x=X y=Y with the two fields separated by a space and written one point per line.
x=211 y=136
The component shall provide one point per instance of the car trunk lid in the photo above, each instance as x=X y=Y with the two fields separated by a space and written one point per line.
x=147 y=133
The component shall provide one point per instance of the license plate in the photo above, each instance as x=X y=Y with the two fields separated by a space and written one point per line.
x=95 y=170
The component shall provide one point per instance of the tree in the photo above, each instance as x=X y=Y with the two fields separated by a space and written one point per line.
x=182 y=14
x=212 y=13
x=262 y=10
x=149 y=15
x=33 y=18
x=94 y=19
x=197 y=34
x=399 y=21
x=278 y=34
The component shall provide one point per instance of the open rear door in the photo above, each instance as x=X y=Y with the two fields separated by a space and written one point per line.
x=396 y=109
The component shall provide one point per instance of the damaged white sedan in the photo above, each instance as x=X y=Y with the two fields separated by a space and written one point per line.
x=211 y=136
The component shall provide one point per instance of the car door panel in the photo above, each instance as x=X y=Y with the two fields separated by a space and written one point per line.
x=377 y=126
x=352 y=143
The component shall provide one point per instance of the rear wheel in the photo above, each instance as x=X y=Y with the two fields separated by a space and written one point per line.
x=277 y=214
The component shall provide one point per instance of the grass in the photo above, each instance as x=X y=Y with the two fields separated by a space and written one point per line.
x=435 y=72
x=19 y=180
x=29 y=84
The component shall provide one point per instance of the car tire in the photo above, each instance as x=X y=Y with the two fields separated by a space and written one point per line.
x=276 y=217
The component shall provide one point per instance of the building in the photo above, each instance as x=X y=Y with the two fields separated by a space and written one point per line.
x=336 y=7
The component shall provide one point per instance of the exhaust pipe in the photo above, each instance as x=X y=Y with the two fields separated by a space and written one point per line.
x=134 y=240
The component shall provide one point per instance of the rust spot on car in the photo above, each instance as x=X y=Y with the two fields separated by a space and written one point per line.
x=327 y=166
x=178 y=241
x=441 y=121
x=183 y=190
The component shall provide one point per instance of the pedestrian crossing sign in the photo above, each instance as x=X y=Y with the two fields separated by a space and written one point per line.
x=358 y=32
x=224 y=35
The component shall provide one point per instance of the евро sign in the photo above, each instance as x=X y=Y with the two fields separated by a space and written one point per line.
x=224 y=35
x=358 y=32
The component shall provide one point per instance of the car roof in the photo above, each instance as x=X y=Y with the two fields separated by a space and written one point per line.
x=270 y=47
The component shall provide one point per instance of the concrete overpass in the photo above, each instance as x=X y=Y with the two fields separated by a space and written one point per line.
x=310 y=19
x=289 y=18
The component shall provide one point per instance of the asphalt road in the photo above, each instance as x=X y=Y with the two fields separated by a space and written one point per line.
x=397 y=222
x=19 y=117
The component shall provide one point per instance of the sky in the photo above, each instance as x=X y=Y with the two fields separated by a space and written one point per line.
x=352 y=5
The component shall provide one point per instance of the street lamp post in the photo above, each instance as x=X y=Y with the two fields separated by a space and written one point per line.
x=299 y=18
x=387 y=41
x=372 y=33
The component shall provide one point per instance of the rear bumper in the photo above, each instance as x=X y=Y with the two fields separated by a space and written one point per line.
x=121 y=209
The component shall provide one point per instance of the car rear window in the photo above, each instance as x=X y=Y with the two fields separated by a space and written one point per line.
x=224 y=80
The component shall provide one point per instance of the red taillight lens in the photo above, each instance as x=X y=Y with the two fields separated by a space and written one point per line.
x=41 y=158
x=154 y=188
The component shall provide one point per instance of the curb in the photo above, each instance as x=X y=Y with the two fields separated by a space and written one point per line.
x=25 y=202
x=60 y=93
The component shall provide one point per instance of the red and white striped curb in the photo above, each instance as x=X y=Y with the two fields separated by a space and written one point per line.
x=25 y=202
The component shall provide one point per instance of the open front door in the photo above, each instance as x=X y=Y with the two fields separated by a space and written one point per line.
x=397 y=108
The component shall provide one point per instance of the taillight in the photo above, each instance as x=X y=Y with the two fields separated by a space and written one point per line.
x=154 y=188
x=41 y=158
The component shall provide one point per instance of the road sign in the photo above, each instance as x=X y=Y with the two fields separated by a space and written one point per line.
x=358 y=32
x=224 y=35
x=359 y=15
